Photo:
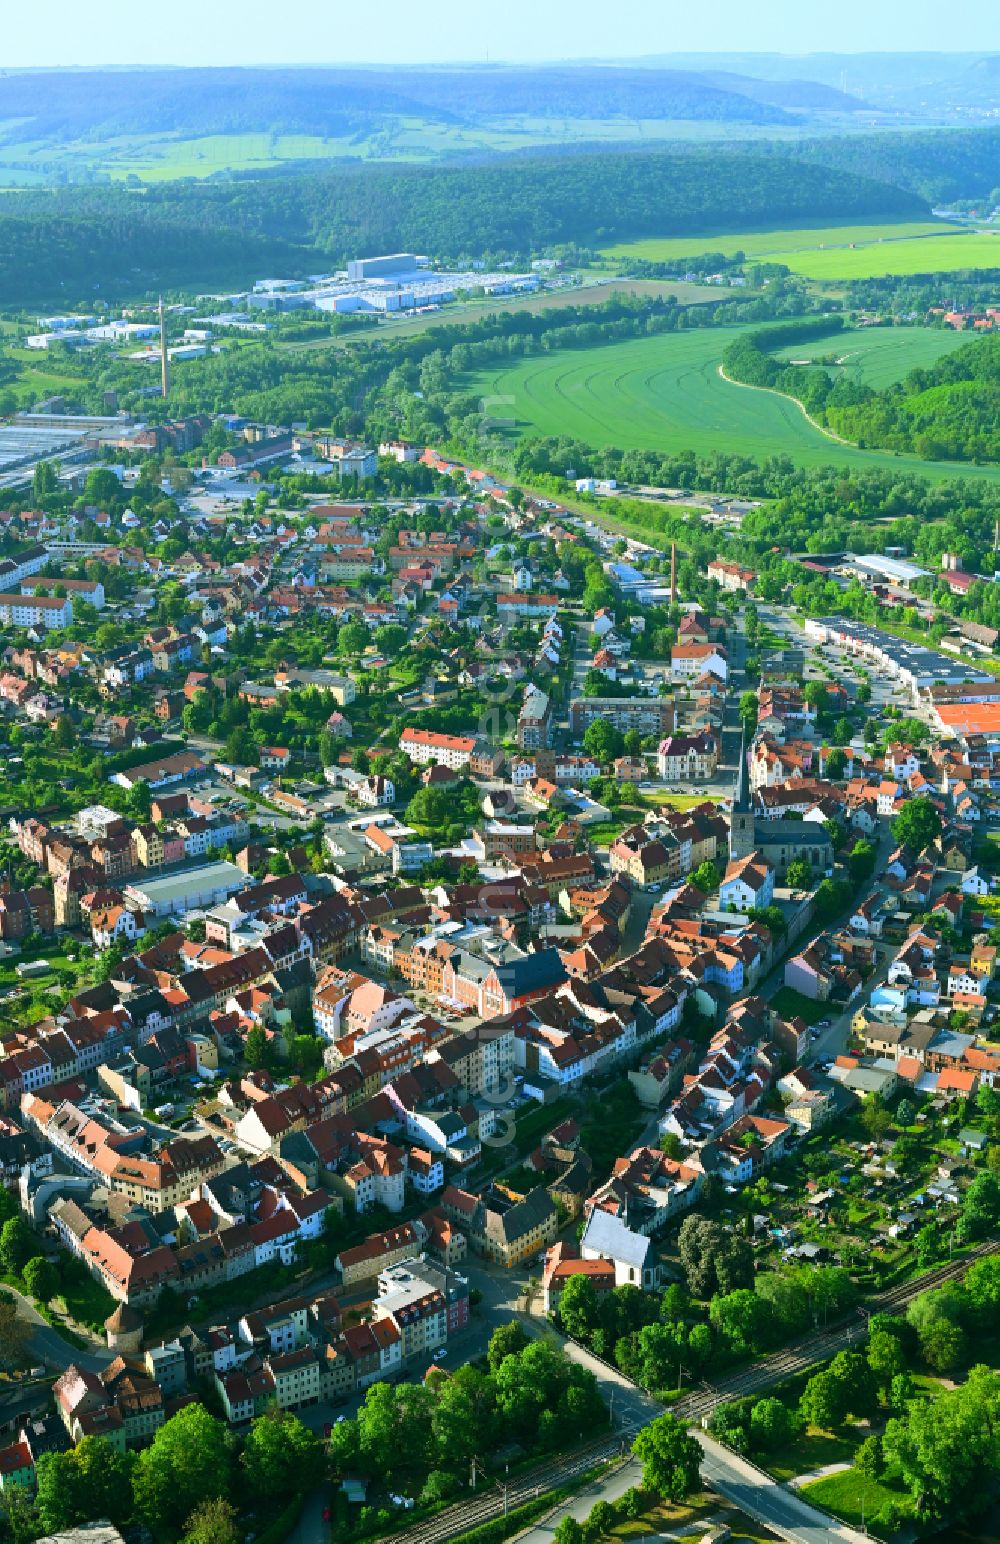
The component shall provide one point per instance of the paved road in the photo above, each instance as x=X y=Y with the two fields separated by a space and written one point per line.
x=608 y=1488
x=48 y=1346
x=763 y=1499
x=310 y=1528
x=757 y=1493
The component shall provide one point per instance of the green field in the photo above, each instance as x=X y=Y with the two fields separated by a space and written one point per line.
x=924 y=254
x=163 y=156
x=802 y=238
x=157 y=161
x=878 y=356
x=830 y=252
x=666 y=393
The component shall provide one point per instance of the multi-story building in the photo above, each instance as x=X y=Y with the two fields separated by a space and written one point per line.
x=35 y=611
x=446 y=750
x=649 y=715
x=688 y=758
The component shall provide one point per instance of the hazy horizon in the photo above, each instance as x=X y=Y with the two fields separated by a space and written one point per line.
x=60 y=34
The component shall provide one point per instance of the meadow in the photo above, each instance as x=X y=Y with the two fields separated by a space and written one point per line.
x=666 y=393
x=763 y=244
x=166 y=159
x=922 y=254
x=838 y=252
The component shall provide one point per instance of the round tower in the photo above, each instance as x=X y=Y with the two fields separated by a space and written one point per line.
x=124 y=1329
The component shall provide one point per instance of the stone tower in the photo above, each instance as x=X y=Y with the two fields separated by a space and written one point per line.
x=741 y=823
x=124 y=1329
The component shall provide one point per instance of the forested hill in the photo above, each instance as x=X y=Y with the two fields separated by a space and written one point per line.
x=949 y=411
x=69 y=105
x=69 y=242
x=937 y=164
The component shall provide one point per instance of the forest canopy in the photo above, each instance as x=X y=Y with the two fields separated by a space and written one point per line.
x=72 y=242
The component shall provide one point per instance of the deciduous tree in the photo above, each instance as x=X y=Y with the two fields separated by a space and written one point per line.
x=281 y=1455
x=189 y=1461
x=670 y=1457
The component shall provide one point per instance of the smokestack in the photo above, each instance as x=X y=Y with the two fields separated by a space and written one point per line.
x=673 y=573
x=164 y=358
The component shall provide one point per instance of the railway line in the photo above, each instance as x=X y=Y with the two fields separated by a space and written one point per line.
x=497 y=1498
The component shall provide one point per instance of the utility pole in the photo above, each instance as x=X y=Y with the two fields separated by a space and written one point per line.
x=611 y=1409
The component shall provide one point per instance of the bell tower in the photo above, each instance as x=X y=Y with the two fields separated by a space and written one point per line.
x=741 y=822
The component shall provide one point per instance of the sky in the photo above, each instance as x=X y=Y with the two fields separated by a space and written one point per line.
x=193 y=32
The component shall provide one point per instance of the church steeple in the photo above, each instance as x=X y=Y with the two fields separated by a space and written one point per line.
x=741 y=822
x=741 y=801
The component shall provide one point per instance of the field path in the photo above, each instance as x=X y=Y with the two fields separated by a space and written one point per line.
x=772 y=391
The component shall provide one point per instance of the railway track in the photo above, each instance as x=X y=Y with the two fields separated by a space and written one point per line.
x=819 y=1346
x=495 y=1499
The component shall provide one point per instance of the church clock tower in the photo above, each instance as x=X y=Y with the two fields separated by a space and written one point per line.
x=741 y=823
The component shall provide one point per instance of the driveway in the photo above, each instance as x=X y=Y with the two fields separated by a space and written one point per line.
x=310 y=1528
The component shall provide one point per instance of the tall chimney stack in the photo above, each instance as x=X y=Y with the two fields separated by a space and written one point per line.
x=673 y=573
x=164 y=357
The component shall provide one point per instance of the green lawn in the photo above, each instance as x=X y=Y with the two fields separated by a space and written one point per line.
x=666 y=393
x=678 y=801
x=810 y=1450
x=88 y=1302
x=790 y=1003
x=763 y=244
x=845 y=1493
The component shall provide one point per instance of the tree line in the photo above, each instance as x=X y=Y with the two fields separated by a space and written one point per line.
x=67 y=242
x=948 y=411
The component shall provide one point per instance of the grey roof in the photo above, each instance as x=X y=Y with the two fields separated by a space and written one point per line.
x=948 y=1043
x=532 y=973
x=809 y=832
x=610 y=1237
x=531 y=1212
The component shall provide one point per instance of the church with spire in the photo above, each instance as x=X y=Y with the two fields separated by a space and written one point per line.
x=742 y=824
x=775 y=842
